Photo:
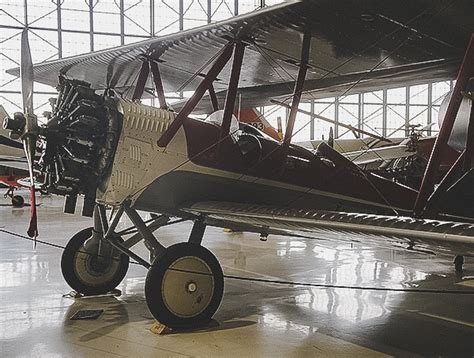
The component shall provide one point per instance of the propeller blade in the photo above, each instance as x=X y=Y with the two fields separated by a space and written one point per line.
x=29 y=144
x=29 y=135
x=26 y=74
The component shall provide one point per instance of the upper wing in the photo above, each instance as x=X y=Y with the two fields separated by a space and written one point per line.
x=353 y=41
x=402 y=232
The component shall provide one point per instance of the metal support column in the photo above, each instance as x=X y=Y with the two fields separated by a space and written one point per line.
x=465 y=73
x=122 y=22
x=91 y=24
x=152 y=18
x=384 y=113
x=216 y=68
x=60 y=32
x=305 y=48
x=181 y=15
x=430 y=108
x=209 y=11
x=407 y=111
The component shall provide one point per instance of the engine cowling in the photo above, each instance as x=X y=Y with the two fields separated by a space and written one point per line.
x=79 y=142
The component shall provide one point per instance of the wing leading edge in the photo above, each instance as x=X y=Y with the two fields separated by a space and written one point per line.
x=401 y=232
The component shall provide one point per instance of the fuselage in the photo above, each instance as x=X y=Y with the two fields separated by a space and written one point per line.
x=248 y=168
x=107 y=149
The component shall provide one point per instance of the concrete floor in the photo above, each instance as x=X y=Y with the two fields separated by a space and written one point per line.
x=255 y=319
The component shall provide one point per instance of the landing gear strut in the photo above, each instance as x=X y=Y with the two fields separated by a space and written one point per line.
x=184 y=285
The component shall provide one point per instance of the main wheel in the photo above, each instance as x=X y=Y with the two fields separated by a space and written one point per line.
x=184 y=286
x=91 y=274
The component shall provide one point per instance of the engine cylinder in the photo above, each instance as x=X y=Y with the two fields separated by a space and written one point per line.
x=79 y=141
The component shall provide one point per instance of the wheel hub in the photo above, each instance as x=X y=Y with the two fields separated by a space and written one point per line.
x=191 y=287
x=194 y=276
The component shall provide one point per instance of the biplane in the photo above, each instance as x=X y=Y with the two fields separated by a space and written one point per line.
x=101 y=142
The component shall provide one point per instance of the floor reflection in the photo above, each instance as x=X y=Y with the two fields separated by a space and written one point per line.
x=264 y=318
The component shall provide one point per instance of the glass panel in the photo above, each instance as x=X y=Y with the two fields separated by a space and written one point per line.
x=435 y=119
x=43 y=45
x=418 y=115
x=11 y=102
x=396 y=95
x=166 y=17
x=373 y=118
x=321 y=128
x=373 y=97
x=12 y=13
x=348 y=114
x=221 y=10
x=353 y=98
x=247 y=6
x=42 y=14
x=9 y=58
x=396 y=121
x=419 y=94
x=105 y=41
x=107 y=16
x=75 y=15
x=132 y=39
x=439 y=91
x=195 y=13
x=75 y=43
x=137 y=17
x=41 y=104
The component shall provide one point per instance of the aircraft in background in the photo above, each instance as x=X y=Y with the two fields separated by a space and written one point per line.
x=122 y=154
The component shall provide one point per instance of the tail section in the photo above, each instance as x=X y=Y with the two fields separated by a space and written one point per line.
x=255 y=118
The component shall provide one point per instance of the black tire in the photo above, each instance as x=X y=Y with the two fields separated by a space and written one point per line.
x=18 y=201
x=88 y=274
x=188 y=296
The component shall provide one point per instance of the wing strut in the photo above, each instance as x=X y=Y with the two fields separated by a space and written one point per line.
x=305 y=48
x=147 y=65
x=216 y=68
x=155 y=71
x=465 y=73
x=232 y=89
x=213 y=96
x=141 y=81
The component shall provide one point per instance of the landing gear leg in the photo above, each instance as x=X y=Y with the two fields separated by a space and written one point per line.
x=458 y=263
x=185 y=284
